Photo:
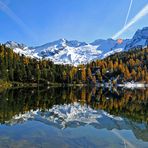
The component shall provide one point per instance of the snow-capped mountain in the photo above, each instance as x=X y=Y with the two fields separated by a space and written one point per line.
x=74 y=52
x=139 y=39
x=109 y=44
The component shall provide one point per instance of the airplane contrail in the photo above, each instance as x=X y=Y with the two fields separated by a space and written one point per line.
x=14 y=17
x=126 y=142
x=129 y=10
x=136 y=18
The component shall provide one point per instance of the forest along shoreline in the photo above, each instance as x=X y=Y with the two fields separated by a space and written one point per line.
x=124 y=69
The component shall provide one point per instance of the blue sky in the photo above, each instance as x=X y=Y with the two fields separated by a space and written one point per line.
x=36 y=22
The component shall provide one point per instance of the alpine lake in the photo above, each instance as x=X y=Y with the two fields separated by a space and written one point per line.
x=74 y=117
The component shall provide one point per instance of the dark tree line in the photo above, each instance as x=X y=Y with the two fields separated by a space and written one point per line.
x=120 y=67
x=15 y=67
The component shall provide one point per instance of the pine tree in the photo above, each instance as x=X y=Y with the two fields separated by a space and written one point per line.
x=38 y=73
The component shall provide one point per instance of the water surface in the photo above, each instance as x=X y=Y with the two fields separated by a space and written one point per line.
x=74 y=117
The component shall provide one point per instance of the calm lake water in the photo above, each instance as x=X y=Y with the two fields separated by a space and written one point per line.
x=74 y=118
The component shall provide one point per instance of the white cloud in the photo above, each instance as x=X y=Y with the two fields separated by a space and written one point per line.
x=137 y=17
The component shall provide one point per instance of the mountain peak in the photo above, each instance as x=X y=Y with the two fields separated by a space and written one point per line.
x=62 y=40
x=141 y=33
x=74 y=52
x=13 y=44
x=140 y=39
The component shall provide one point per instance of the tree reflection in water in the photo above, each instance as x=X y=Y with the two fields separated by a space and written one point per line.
x=131 y=104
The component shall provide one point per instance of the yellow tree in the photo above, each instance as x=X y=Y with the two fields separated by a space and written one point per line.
x=89 y=74
x=133 y=74
x=83 y=74
x=126 y=73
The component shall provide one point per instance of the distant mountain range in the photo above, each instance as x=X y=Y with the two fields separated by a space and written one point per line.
x=74 y=52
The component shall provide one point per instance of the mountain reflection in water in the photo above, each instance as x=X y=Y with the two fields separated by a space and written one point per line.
x=72 y=108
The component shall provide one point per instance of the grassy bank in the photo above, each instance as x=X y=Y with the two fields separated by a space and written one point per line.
x=4 y=85
x=20 y=84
